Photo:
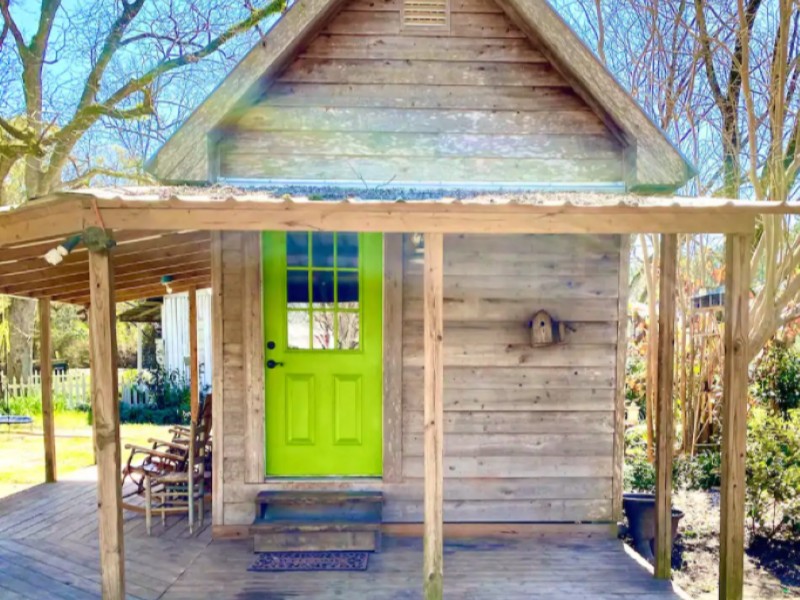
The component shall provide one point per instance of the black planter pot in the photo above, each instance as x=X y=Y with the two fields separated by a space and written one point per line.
x=640 y=509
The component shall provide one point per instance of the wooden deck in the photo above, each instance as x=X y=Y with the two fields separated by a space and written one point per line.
x=48 y=549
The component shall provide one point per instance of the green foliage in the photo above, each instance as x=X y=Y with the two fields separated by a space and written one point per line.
x=777 y=377
x=773 y=473
x=32 y=406
x=69 y=335
x=636 y=383
x=168 y=399
x=700 y=472
x=639 y=473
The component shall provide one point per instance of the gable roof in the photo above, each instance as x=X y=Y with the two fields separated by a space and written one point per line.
x=652 y=162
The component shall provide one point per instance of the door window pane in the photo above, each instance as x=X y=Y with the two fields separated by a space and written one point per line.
x=348 y=335
x=347 y=250
x=297 y=249
x=324 y=330
x=323 y=287
x=348 y=289
x=322 y=249
x=298 y=330
x=297 y=289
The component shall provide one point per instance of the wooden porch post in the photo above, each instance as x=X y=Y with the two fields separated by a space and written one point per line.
x=433 y=416
x=664 y=417
x=734 y=417
x=194 y=373
x=46 y=371
x=103 y=344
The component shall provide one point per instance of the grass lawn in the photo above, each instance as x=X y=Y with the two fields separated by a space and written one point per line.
x=22 y=448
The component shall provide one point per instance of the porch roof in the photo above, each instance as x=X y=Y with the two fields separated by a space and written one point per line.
x=164 y=231
x=141 y=259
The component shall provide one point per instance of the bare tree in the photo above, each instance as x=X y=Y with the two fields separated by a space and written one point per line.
x=87 y=89
x=721 y=77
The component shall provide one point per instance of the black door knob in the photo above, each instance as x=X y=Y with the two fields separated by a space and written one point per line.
x=271 y=364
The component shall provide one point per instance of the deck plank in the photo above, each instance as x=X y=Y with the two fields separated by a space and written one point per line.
x=49 y=549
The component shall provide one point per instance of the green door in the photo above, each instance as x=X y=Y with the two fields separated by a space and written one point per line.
x=323 y=319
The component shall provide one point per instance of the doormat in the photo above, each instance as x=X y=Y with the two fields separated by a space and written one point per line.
x=310 y=561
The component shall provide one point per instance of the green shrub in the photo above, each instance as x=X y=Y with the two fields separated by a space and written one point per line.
x=168 y=395
x=700 y=472
x=639 y=473
x=773 y=473
x=777 y=377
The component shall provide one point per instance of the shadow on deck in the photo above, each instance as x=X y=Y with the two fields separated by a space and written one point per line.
x=49 y=549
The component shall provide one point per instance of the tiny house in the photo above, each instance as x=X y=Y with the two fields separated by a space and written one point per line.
x=320 y=378
x=414 y=220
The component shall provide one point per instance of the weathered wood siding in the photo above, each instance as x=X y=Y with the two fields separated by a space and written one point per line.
x=365 y=102
x=529 y=432
x=234 y=386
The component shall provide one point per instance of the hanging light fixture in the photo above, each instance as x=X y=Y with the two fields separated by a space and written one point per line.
x=166 y=280
x=57 y=254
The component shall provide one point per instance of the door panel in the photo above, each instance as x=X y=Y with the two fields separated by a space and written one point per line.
x=323 y=320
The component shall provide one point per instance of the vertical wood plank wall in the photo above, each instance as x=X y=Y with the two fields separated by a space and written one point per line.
x=529 y=433
x=365 y=103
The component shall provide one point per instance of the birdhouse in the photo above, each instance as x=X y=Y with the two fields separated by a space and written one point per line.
x=545 y=330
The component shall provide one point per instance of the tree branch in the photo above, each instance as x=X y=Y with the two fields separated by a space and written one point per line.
x=86 y=178
x=42 y=36
x=110 y=46
x=12 y=27
x=69 y=135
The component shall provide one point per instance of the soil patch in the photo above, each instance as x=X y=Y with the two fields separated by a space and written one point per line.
x=772 y=568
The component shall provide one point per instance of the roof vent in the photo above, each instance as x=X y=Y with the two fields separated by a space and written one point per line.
x=431 y=16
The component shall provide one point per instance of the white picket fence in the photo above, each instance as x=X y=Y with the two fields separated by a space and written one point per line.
x=73 y=387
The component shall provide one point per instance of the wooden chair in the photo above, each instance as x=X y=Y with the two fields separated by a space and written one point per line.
x=164 y=456
x=179 y=491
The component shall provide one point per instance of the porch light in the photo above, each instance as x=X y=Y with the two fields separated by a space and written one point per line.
x=57 y=254
x=166 y=280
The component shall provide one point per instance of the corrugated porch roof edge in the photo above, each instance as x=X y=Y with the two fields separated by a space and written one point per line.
x=168 y=208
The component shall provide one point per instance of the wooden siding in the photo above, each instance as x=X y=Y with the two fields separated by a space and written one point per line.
x=368 y=102
x=529 y=432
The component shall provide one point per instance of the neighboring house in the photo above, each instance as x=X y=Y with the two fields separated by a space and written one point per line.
x=380 y=100
x=175 y=334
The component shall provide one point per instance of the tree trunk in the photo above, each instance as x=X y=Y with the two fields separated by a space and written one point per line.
x=21 y=317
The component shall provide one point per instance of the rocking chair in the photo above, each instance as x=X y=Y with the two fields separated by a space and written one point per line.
x=164 y=456
x=179 y=491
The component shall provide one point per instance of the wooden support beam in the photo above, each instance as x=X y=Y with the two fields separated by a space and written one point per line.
x=433 y=561
x=146 y=291
x=664 y=402
x=393 y=358
x=734 y=417
x=217 y=413
x=105 y=409
x=194 y=373
x=619 y=396
x=254 y=347
x=46 y=370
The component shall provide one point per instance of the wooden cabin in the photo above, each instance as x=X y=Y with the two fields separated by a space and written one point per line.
x=393 y=99
x=419 y=264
